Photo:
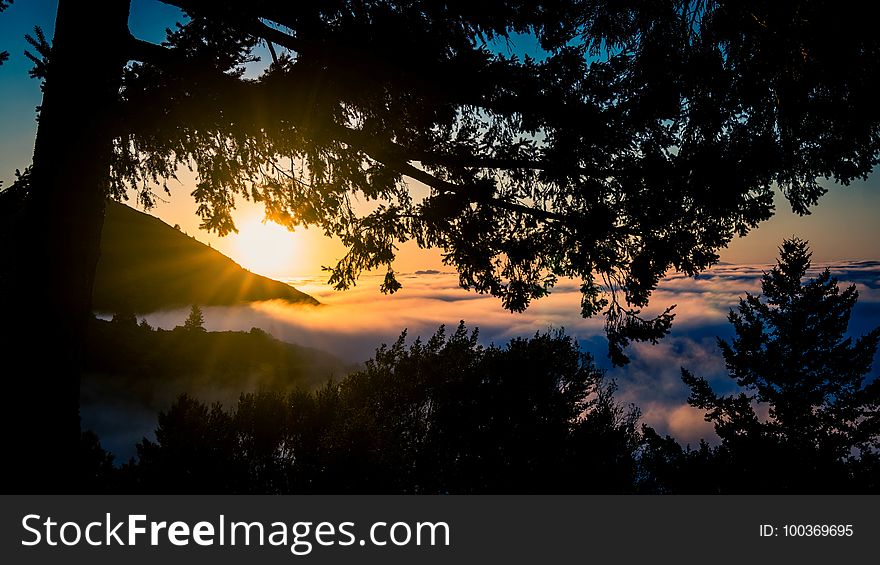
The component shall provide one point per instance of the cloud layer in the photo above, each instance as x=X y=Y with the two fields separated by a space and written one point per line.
x=353 y=323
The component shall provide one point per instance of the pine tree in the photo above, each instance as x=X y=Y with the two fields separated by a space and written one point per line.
x=792 y=355
x=195 y=322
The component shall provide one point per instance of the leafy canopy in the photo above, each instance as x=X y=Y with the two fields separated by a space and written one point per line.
x=649 y=134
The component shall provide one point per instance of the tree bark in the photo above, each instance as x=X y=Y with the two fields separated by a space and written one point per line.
x=48 y=294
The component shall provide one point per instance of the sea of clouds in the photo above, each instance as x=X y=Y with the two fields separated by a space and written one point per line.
x=351 y=324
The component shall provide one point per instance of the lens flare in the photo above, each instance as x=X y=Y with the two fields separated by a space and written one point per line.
x=267 y=248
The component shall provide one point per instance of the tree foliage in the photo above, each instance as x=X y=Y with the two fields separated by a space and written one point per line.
x=4 y=55
x=644 y=138
x=437 y=416
x=792 y=355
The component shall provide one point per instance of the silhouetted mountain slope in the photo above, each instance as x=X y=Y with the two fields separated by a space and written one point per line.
x=146 y=265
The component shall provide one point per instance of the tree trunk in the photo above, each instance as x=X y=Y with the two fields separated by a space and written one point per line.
x=48 y=295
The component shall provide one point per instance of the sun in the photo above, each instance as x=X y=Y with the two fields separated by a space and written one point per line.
x=267 y=248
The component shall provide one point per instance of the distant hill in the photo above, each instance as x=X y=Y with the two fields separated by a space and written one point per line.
x=133 y=371
x=155 y=365
x=146 y=265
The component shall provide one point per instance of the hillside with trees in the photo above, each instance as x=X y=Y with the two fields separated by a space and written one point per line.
x=132 y=362
x=444 y=415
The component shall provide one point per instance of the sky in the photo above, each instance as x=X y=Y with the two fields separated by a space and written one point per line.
x=843 y=230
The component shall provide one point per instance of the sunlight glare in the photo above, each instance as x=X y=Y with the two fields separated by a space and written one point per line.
x=267 y=248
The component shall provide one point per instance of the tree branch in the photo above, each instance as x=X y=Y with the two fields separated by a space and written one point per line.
x=146 y=52
x=391 y=154
x=241 y=98
x=271 y=47
x=488 y=162
x=254 y=26
x=273 y=35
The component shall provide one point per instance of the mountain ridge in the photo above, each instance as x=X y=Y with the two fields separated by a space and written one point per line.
x=147 y=265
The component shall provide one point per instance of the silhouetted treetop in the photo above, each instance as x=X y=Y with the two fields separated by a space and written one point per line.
x=195 y=321
x=792 y=354
x=442 y=415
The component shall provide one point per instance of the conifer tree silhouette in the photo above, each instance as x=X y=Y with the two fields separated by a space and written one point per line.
x=792 y=355
x=195 y=322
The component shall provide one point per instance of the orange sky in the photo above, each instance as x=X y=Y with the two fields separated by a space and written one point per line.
x=269 y=249
x=843 y=227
